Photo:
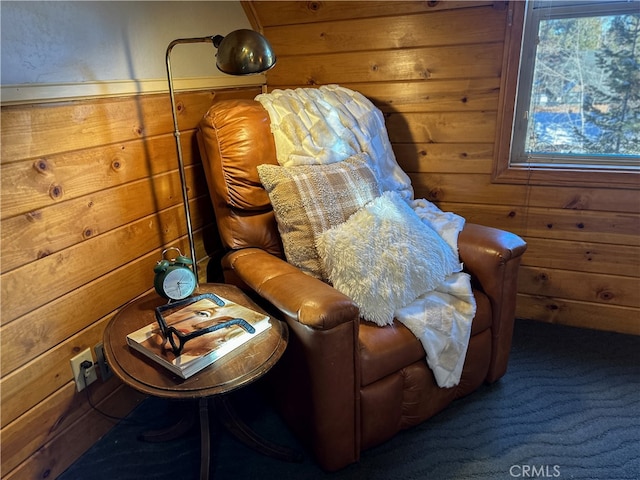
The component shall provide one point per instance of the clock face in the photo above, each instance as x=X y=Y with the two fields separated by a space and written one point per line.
x=179 y=283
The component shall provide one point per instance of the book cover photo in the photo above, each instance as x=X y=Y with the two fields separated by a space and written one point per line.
x=202 y=351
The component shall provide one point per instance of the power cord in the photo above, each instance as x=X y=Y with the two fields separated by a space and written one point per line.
x=84 y=366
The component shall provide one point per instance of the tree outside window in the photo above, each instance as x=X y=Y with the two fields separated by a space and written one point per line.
x=578 y=98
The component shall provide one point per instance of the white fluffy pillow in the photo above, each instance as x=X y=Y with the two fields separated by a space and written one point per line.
x=384 y=257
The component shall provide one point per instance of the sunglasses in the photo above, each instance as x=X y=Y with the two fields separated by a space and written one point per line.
x=178 y=339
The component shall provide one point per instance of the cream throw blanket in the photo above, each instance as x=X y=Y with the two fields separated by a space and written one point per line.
x=330 y=124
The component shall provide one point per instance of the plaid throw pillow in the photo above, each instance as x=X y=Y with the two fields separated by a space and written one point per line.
x=309 y=199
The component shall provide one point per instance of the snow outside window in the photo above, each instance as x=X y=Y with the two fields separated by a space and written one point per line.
x=578 y=97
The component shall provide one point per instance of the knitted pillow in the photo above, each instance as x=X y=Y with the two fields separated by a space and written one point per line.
x=384 y=257
x=309 y=199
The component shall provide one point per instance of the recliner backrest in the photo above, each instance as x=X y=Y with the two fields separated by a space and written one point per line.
x=234 y=137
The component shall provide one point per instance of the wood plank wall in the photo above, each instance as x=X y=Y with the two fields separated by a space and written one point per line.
x=90 y=197
x=434 y=69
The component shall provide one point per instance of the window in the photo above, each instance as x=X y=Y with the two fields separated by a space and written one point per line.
x=577 y=102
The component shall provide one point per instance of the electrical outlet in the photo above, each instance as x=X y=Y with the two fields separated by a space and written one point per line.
x=89 y=373
x=105 y=371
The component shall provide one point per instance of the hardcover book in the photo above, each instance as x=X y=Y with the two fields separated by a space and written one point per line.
x=202 y=351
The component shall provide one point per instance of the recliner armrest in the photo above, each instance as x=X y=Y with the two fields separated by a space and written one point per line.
x=492 y=257
x=301 y=297
x=483 y=250
x=319 y=376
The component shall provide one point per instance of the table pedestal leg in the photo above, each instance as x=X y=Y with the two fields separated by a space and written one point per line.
x=234 y=424
x=180 y=428
x=230 y=419
x=205 y=439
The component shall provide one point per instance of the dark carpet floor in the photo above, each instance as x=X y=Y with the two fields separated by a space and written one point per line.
x=569 y=407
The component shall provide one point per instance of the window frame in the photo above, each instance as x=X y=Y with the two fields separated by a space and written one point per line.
x=504 y=170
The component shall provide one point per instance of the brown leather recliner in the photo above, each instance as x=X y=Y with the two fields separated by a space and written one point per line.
x=343 y=385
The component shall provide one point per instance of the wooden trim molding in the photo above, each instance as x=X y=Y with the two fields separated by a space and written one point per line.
x=41 y=92
x=252 y=15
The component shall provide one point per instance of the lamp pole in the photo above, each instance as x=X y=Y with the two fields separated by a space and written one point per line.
x=242 y=52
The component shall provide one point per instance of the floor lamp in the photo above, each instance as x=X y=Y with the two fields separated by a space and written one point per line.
x=241 y=52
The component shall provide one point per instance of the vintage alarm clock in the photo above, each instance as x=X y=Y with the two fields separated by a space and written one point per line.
x=174 y=279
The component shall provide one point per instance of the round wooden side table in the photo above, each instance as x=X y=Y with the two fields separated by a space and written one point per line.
x=235 y=370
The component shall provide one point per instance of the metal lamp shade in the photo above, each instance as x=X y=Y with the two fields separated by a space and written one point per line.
x=244 y=52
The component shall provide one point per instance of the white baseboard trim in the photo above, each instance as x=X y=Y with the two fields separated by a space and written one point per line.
x=40 y=93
